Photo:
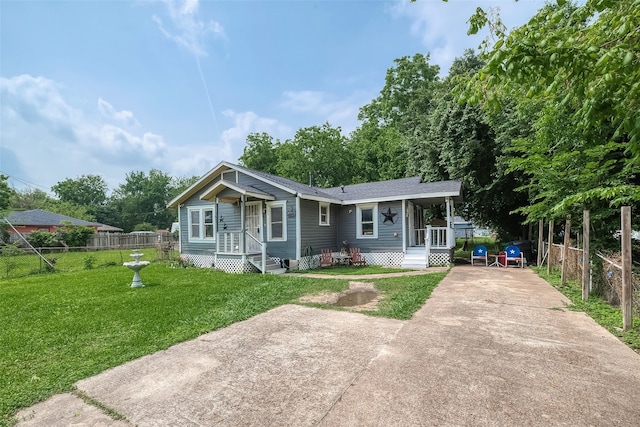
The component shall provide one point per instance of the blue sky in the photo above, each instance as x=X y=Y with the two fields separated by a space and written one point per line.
x=110 y=87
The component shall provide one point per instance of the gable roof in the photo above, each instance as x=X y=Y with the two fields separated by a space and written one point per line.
x=395 y=189
x=39 y=217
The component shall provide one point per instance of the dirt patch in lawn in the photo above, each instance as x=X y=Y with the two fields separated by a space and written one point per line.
x=361 y=296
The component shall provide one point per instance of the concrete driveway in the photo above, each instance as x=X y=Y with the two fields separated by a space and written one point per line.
x=492 y=346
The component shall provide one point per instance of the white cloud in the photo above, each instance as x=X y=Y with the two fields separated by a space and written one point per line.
x=248 y=122
x=38 y=102
x=125 y=117
x=50 y=140
x=186 y=29
x=326 y=107
x=118 y=142
x=442 y=26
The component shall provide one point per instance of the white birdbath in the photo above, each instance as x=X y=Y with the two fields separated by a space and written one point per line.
x=136 y=265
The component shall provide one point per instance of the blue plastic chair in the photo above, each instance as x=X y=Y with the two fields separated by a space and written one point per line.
x=513 y=253
x=480 y=252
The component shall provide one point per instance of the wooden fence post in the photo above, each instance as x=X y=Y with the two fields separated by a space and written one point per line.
x=627 y=314
x=540 y=240
x=565 y=250
x=550 y=245
x=586 y=257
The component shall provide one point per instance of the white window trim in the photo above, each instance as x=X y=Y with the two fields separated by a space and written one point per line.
x=359 y=209
x=270 y=205
x=320 y=206
x=201 y=209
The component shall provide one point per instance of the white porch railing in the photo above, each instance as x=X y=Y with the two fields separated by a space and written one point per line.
x=229 y=242
x=438 y=238
x=233 y=243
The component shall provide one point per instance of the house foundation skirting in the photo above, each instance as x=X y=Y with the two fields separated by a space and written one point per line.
x=387 y=259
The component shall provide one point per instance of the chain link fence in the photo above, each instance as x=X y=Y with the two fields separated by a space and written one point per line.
x=16 y=261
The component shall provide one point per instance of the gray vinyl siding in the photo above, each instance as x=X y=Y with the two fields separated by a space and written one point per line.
x=313 y=234
x=386 y=240
x=229 y=216
x=286 y=249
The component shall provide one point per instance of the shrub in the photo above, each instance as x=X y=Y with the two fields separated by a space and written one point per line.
x=42 y=239
x=75 y=235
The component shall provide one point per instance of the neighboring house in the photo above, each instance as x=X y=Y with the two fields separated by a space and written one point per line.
x=463 y=228
x=25 y=222
x=240 y=220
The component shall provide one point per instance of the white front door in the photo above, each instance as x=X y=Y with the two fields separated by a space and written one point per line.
x=253 y=223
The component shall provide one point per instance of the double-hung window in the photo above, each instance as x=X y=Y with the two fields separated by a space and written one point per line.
x=324 y=214
x=277 y=221
x=367 y=221
x=201 y=223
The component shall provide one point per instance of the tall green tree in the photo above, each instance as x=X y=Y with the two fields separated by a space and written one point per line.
x=583 y=63
x=143 y=198
x=260 y=153
x=86 y=190
x=317 y=151
x=5 y=194
x=377 y=153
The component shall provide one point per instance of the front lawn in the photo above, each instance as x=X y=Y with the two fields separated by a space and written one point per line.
x=339 y=270
x=59 y=328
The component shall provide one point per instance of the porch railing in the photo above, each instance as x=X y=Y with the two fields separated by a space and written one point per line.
x=438 y=237
x=232 y=242
x=229 y=242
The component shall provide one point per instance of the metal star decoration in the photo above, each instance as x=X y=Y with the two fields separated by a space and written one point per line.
x=389 y=216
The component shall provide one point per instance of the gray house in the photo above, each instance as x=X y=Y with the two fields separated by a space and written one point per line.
x=241 y=220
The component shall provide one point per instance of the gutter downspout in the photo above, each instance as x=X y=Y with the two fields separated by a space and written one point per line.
x=298 y=230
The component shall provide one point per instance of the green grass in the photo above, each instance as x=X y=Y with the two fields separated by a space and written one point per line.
x=59 y=328
x=24 y=265
x=604 y=314
x=405 y=295
x=463 y=253
x=345 y=270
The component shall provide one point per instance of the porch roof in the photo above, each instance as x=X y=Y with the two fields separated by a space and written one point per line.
x=212 y=192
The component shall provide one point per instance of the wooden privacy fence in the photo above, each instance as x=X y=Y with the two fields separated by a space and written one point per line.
x=127 y=241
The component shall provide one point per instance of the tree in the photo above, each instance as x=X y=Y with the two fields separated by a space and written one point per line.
x=143 y=198
x=30 y=199
x=377 y=153
x=5 y=193
x=319 y=151
x=584 y=62
x=260 y=153
x=406 y=96
x=86 y=190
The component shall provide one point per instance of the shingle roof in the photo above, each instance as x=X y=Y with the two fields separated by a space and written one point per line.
x=39 y=217
x=395 y=188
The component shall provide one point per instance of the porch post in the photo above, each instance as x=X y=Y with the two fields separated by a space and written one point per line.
x=263 y=238
x=449 y=208
x=427 y=243
x=215 y=233
x=404 y=226
x=243 y=225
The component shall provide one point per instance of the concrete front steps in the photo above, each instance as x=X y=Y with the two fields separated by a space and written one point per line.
x=415 y=257
x=272 y=266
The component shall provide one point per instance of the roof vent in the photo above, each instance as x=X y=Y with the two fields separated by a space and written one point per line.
x=342 y=188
